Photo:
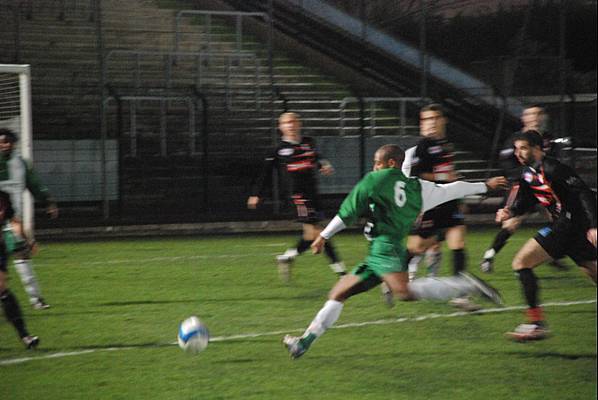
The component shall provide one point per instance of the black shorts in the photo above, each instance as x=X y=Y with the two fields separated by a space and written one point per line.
x=307 y=208
x=565 y=238
x=436 y=220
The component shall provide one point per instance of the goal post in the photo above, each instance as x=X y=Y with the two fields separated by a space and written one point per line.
x=15 y=114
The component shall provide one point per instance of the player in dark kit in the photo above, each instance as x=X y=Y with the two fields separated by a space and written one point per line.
x=8 y=300
x=434 y=161
x=297 y=162
x=572 y=205
x=533 y=118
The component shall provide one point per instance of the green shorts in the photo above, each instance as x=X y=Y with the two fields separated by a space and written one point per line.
x=383 y=258
x=12 y=241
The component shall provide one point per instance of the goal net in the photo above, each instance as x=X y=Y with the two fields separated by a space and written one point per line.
x=15 y=114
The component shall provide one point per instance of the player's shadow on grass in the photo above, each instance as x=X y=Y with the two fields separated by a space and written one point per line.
x=244 y=299
x=551 y=354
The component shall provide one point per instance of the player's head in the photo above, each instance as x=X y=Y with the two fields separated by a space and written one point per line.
x=528 y=147
x=432 y=121
x=289 y=124
x=388 y=156
x=7 y=140
x=533 y=118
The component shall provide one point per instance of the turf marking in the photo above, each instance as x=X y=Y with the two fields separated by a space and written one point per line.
x=12 y=361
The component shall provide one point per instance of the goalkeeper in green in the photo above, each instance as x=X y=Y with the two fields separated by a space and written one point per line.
x=391 y=202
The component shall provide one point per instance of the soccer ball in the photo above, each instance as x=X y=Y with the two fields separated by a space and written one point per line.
x=193 y=335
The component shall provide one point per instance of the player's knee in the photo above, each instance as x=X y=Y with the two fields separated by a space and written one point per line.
x=518 y=264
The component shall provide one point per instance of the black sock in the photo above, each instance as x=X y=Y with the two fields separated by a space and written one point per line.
x=331 y=252
x=303 y=245
x=530 y=286
x=501 y=239
x=13 y=312
x=458 y=261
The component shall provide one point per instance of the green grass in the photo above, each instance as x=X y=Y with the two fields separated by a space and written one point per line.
x=122 y=300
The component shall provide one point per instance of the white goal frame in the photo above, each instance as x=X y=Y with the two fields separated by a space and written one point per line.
x=24 y=132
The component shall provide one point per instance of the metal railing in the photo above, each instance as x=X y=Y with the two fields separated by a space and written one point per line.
x=163 y=131
x=369 y=113
x=62 y=9
x=203 y=69
x=208 y=15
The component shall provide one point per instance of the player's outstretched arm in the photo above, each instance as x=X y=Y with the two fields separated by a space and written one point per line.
x=434 y=194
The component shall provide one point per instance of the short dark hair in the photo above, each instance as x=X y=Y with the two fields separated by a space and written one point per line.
x=10 y=135
x=392 y=151
x=434 y=107
x=534 y=138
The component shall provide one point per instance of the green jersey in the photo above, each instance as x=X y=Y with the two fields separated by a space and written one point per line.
x=388 y=199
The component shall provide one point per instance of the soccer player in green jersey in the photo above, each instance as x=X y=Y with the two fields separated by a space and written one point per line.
x=391 y=202
x=16 y=177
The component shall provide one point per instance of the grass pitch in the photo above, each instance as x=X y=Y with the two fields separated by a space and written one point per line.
x=116 y=306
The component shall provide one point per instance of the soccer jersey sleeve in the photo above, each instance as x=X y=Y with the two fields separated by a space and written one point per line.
x=577 y=193
x=434 y=194
x=356 y=203
x=265 y=176
x=34 y=184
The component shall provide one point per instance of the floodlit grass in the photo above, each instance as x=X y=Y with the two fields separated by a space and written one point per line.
x=116 y=307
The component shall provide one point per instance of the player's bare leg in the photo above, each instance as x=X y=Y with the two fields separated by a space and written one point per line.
x=347 y=286
x=530 y=256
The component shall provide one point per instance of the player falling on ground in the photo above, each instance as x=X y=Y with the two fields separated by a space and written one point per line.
x=391 y=202
x=297 y=162
x=533 y=118
x=17 y=176
x=572 y=233
x=10 y=305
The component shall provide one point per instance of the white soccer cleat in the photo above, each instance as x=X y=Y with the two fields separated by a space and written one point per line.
x=484 y=289
x=387 y=295
x=294 y=346
x=284 y=263
x=30 y=342
x=465 y=304
x=527 y=332
x=338 y=268
x=40 y=304
x=487 y=265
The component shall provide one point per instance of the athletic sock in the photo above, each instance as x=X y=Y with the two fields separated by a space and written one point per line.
x=529 y=283
x=24 y=268
x=324 y=319
x=13 y=312
x=500 y=240
x=413 y=266
x=303 y=245
x=445 y=288
x=458 y=261
x=433 y=260
x=330 y=252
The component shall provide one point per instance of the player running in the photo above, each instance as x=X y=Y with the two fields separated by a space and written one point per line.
x=572 y=205
x=297 y=162
x=17 y=176
x=391 y=202
x=10 y=305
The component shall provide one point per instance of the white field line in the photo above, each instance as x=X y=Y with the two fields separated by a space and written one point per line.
x=22 y=360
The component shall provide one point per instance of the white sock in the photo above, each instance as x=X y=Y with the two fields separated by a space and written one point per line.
x=25 y=271
x=413 y=265
x=325 y=318
x=433 y=259
x=490 y=253
x=338 y=267
x=441 y=288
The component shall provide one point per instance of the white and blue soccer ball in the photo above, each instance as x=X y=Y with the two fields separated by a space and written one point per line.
x=193 y=335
